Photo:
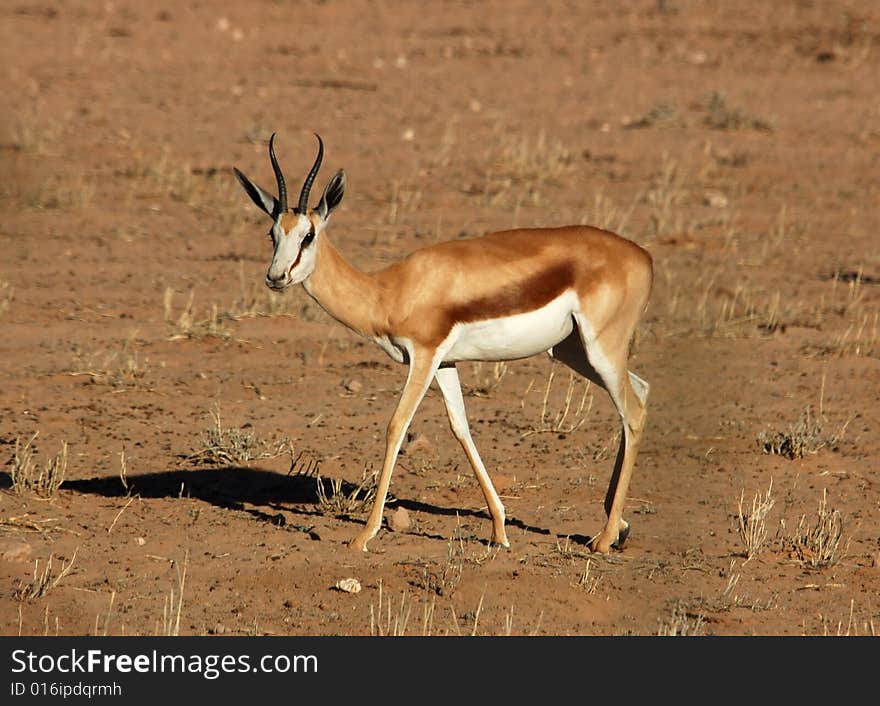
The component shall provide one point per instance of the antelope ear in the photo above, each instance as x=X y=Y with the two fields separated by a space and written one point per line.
x=262 y=198
x=332 y=196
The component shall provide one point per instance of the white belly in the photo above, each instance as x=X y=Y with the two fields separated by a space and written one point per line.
x=511 y=337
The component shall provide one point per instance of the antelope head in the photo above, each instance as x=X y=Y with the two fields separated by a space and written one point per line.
x=295 y=232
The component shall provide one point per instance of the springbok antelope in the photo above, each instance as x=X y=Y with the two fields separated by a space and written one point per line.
x=576 y=292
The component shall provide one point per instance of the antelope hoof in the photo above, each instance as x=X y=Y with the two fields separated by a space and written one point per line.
x=605 y=541
x=621 y=537
x=501 y=540
x=359 y=543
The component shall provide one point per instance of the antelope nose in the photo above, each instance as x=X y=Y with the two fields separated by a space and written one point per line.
x=275 y=281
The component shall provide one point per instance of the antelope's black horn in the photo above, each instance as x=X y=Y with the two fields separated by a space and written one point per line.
x=307 y=184
x=279 y=177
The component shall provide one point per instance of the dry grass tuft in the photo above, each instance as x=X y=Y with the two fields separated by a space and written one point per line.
x=681 y=623
x=662 y=115
x=446 y=579
x=817 y=543
x=42 y=582
x=851 y=628
x=608 y=216
x=721 y=116
x=121 y=368
x=386 y=620
x=752 y=526
x=231 y=446
x=667 y=192
x=486 y=378
x=186 y=325
x=340 y=502
x=28 y=477
x=562 y=416
x=173 y=605
x=805 y=437
x=587 y=580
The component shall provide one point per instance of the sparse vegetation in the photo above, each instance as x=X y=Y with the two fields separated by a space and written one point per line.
x=608 y=216
x=64 y=193
x=173 y=605
x=817 y=542
x=560 y=416
x=803 y=438
x=42 y=581
x=391 y=618
x=186 y=325
x=445 y=580
x=662 y=115
x=752 y=524
x=340 y=502
x=518 y=168
x=229 y=446
x=120 y=368
x=486 y=378
x=666 y=193
x=30 y=477
x=767 y=277
x=720 y=116
x=854 y=626
x=388 y=620
x=166 y=176
x=587 y=580
x=681 y=623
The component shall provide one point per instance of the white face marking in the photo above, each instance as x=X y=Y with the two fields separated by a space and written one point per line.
x=292 y=261
x=511 y=337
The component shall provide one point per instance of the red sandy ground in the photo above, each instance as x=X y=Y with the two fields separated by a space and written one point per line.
x=120 y=124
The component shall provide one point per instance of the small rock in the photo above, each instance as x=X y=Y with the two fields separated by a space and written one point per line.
x=348 y=585
x=15 y=550
x=354 y=385
x=140 y=541
x=399 y=521
x=715 y=199
x=420 y=444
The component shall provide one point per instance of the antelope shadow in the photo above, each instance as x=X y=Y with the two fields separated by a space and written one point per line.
x=235 y=487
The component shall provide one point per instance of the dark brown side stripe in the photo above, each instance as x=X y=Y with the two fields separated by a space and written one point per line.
x=528 y=295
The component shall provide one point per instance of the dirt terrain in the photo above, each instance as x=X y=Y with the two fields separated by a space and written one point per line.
x=737 y=142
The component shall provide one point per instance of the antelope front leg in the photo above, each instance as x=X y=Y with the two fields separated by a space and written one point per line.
x=422 y=369
x=447 y=379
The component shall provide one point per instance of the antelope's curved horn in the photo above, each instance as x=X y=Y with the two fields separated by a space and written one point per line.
x=279 y=177
x=313 y=172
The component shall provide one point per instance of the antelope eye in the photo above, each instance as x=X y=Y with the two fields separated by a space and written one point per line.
x=310 y=236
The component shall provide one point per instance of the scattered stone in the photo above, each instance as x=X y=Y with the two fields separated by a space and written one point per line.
x=354 y=386
x=399 y=521
x=15 y=550
x=348 y=585
x=420 y=444
x=715 y=199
